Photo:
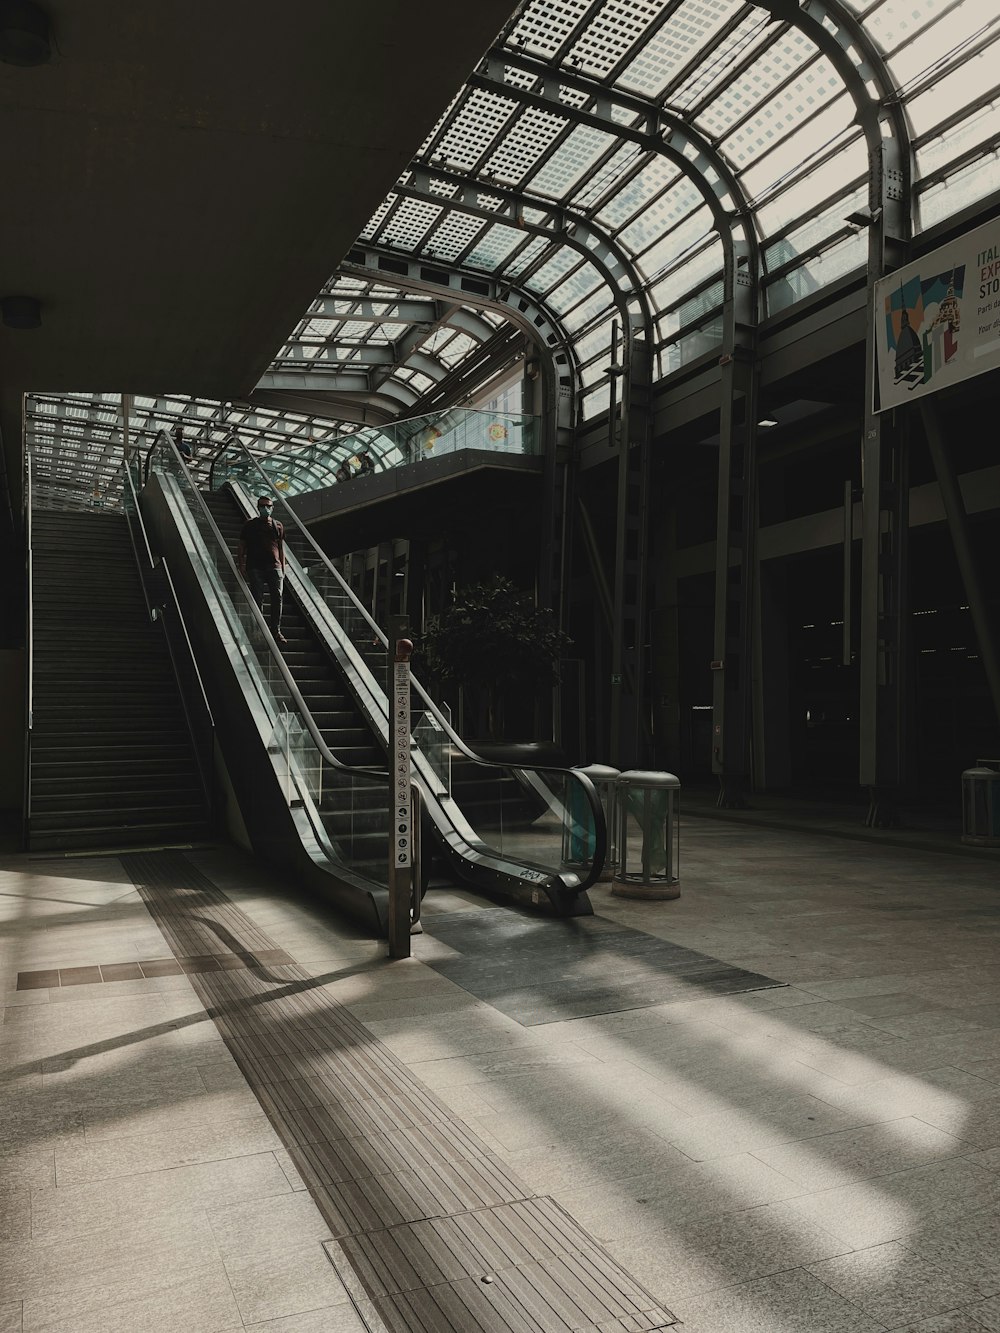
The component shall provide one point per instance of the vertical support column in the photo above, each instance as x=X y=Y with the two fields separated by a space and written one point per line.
x=629 y=736
x=401 y=864
x=884 y=526
x=735 y=553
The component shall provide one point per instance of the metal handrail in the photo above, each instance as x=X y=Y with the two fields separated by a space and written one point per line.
x=593 y=800
x=204 y=763
x=29 y=649
x=300 y=703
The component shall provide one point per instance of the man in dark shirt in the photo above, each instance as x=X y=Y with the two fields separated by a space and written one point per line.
x=262 y=561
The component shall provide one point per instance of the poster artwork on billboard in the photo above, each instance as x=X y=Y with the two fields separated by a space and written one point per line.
x=937 y=320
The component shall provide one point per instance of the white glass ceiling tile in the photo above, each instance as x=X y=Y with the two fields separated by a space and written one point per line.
x=777 y=61
x=667 y=254
x=613 y=32
x=840 y=259
x=945 y=198
x=815 y=230
x=983 y=127
x=554 y=269
x=669 y=50
x=591 y=190
x=776 y=118
x=663 y=214
x=585 y=280
x=828 y=132
x=572 y=160
x=691 y=232
x=459 y=347
x=546 y=24
x=520 y=147
x=475 y=125
x=421 y=381
x=376 y=218
x=595 y=402
x=797 y=198
x=751 y=33
x=319 y=328
x=636 y=193
x=895 y=22
x=587 y=311
x=962 y=87
x=528 y=255
x=453 y=235
x=437 y=340
x=409 y=224
x=494 y=245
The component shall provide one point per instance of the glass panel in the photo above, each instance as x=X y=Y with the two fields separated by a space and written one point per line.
x=911 y=25
x=796 y=199
x=831 y=130
x=688 y=312
x=675 y=44
x=776 y=119
x=350 y=806
x=982 y=127
x=737 y=99
x=524 y=142
x=477 y=121
x=637 y=193
x=690 y=346
x=578 y=285
x=844 y=257
x=672 y=287
x=573 y=159
x=945 y=198
x=816 y=230
x=962 y=87
x=596 y=401
x=751 y=33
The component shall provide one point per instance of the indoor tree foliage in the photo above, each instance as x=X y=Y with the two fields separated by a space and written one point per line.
x=493 y=638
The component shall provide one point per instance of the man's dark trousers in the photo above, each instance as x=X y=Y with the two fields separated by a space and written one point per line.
x=270 y=581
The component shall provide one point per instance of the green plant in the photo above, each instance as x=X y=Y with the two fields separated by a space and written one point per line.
x=494 y=637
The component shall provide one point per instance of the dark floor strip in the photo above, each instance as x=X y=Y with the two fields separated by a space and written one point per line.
x=147 y=967
x=539 y=970
x=433 y=1231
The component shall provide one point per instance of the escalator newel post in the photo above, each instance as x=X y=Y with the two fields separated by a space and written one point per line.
x=403 y=873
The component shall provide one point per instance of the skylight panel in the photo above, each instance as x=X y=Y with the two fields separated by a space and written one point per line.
x=494 y=245
x=377 y=217
x=453 y=234
x=546 y=24
x=554 y=269
x=527 y=256
x=579 y=284
x=520 y=148
x=409 y=224
x=736 y=100
x=753 y=32
x=613 y=32
x=669 y=50
x=478 y=120
x=572 y=160
x=662 y=215
x=776 y=118
x=637 y=193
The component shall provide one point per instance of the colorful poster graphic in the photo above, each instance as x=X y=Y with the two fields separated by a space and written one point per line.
x=937 y=320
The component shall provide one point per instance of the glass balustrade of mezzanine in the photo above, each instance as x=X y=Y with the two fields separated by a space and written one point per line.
x=398 y=444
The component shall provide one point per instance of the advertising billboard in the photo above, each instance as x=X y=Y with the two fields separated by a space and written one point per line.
x=937 y=320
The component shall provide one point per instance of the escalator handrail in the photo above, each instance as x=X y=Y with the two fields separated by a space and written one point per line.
x=206 y=709
x=593 y=799
x=301 y=706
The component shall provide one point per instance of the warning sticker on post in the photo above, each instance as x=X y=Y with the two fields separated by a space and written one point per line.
x=402 y=833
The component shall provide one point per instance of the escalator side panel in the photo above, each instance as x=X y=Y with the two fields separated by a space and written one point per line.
x=280 y=834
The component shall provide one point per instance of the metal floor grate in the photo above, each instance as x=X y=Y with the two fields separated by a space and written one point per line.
x=433 y=1231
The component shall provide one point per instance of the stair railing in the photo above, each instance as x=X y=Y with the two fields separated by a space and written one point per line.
x=163 y=606
x=29 y=649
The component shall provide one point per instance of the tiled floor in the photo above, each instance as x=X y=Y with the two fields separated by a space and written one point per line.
x=821 y=1157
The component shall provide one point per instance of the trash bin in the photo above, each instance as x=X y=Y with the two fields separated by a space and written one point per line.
x=604 y=778
x=981 y=803
x=647 y=861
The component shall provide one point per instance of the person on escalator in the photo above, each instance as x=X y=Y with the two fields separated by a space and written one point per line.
x=365 y=464
x=262 y=561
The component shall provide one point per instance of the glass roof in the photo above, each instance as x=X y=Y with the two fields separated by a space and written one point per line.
x=610 y=146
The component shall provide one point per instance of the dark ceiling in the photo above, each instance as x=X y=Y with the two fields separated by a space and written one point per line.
x=180 y=180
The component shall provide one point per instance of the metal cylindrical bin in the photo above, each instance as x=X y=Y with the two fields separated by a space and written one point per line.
x=647 y=846
x=981 y=804
x=604 y=779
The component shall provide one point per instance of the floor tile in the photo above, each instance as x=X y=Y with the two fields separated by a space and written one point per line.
x=792 y=1302
x=893 y=1284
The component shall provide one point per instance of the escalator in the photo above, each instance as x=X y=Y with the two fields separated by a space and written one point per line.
x=539 y=834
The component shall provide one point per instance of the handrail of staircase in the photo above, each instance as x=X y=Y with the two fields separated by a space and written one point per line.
x=29 y=648
x=202 y=727
x=286 y=675
x=593 y=800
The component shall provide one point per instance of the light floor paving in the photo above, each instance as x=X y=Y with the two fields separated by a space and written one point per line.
x=820 y=1157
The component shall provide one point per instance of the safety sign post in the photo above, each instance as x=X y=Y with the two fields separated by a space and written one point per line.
x=401 y=830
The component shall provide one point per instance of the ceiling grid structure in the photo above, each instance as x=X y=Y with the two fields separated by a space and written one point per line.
x=618 y=160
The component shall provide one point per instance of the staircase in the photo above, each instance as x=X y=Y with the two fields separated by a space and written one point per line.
x=360 y=828
x=112 y=763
